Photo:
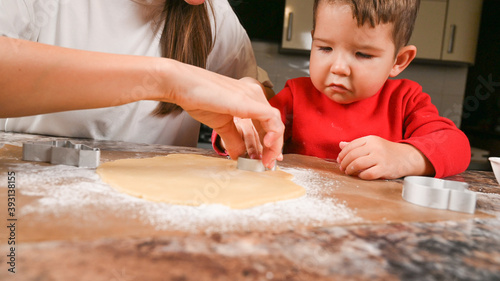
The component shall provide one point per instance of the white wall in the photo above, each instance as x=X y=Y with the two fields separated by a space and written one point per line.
x=445 y=85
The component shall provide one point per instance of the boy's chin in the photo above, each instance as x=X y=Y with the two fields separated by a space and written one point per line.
x=346 y=99
x=341 y=99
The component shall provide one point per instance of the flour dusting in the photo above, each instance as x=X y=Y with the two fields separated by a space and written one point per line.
x=66 y=189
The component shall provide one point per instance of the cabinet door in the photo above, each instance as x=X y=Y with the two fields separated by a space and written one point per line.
x=462 y=30
x=297 y=25
x=428 y=32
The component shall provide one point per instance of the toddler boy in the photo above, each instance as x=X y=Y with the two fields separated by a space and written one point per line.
x=348 y=110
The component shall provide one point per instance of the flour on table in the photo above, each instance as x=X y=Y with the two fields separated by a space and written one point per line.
x=67 y=189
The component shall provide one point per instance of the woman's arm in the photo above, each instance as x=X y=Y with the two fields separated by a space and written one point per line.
x=37 y=78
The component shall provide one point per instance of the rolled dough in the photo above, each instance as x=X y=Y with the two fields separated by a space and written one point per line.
x=190 y=179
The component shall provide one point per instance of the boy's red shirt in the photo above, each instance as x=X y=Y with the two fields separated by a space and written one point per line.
x=399 y=112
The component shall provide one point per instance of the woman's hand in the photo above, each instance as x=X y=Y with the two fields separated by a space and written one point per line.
x=373 y=157
x=215 y=100
x=246 y=129
x=248 y=132
x=38 y=78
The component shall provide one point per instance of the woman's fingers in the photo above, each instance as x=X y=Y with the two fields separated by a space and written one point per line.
x=233 y=143
x=212 y=95
x=250 y=136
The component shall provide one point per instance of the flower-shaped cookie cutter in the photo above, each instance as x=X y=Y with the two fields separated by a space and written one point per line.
x=62 y=152
x=439 y=194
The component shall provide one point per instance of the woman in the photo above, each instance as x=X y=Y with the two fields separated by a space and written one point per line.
x=96 y=67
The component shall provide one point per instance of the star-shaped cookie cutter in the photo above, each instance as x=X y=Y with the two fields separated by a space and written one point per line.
x=439 y=194
x=62 y=152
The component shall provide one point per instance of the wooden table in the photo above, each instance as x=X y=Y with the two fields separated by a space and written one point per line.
x=73 y=238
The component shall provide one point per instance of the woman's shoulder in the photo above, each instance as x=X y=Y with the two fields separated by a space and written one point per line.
x=221 y=4
x=222 y=10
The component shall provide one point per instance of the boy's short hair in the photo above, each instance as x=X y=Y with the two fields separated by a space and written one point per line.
x=401 y=13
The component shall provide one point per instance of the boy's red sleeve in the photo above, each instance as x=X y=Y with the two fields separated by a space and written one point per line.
x=446 y=146
x=216 y=144
x=283 y=101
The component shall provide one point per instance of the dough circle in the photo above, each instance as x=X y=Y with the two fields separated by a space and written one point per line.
x=190 y=179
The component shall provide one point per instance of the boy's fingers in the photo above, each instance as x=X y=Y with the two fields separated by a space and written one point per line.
x=351 y=154
x=343 y=144
x=347 y=147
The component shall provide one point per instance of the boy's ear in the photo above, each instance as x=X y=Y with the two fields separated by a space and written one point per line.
x=403 y=59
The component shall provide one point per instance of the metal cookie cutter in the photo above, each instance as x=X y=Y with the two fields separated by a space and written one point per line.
x=62 y=152
x=439 y=194
x=253 y=165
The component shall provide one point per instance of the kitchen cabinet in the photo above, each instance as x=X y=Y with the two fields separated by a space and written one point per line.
x=429 y=26
x=445 y=30
x=297 y=26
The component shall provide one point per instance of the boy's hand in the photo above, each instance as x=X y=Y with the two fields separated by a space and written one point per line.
x=373 y=157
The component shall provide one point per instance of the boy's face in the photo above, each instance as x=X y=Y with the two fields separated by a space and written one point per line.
x=349 y=63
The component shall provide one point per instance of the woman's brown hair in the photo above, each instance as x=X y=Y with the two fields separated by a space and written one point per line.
x=186 y=36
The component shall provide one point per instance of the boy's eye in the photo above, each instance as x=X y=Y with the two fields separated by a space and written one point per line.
x=363 y=55
x=325 y=49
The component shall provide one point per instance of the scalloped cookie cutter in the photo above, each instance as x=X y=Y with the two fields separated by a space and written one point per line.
x=253 y=165
x=439 y=194
x=62 y=152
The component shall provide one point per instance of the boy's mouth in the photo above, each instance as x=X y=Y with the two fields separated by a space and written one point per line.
x=338 y=87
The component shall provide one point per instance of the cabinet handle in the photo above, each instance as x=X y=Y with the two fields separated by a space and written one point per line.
x=452 y=38
x=289 y=29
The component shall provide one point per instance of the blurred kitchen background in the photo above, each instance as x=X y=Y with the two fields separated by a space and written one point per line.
x=458 y=60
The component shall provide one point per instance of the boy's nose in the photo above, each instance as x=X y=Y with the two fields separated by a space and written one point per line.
x=339 y=65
